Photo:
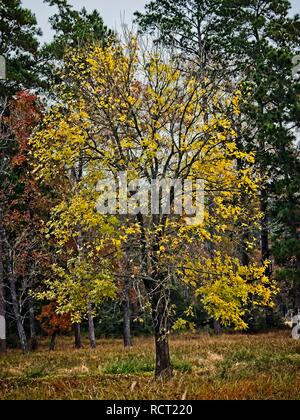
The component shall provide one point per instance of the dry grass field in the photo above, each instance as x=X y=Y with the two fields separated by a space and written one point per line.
x=265 y=366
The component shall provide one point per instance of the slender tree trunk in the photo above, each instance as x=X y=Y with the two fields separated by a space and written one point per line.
x=244 y=255
x=211 y=250
x=265 y=247
x=126 y=318
x=245 y=260
x=33 y=337
x=80 y=249
x=77 y=330
x=17 y=314
x=92 y=335
x=242 y=251
x=217 y=327
x=2 y=292
x=126 y=305
x=296 y=284
x=53 y=341
x=163 y=368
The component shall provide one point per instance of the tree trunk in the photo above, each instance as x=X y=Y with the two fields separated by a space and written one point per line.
x=78 y=343
x=217 y=327
x=163 y=367
x=244 y=258
x=2 y=295
x=126 y=318
x=53 y=341
x=33 y=337
x=17 y=314
x=92 y=335
x=242 y=249
x=265 y=248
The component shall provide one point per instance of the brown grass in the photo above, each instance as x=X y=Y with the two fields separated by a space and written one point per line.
x=265 y=366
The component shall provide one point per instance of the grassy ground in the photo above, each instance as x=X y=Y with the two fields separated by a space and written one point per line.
x=263 y=366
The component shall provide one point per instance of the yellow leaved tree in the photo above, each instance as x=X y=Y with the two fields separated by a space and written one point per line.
x=139 y=113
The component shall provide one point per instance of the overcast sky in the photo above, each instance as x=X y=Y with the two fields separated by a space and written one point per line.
x=112 y=11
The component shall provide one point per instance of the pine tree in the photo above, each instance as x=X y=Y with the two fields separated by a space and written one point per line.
x=72 y=29
x=19 y=47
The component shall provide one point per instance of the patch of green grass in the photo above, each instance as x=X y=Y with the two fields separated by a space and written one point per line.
x=141 y=365
x=130 y=365
x=267 y=362
x=245 y=363
x=241 y=355
x=35 y=372
x=182 y=366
